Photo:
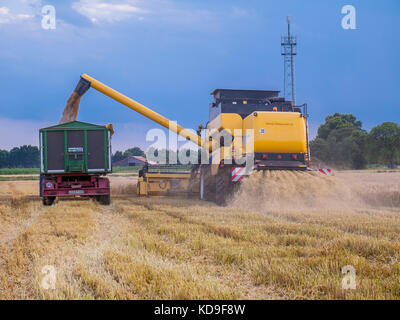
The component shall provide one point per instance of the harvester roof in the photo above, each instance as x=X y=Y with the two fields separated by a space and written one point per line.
x=222 y=94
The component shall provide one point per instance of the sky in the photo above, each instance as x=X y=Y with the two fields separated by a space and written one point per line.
x=171 y=54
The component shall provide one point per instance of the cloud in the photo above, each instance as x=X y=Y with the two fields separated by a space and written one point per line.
x=32 y=2
x=98 y=11
x=160 y=11
x=6 y=17
x=239 y=12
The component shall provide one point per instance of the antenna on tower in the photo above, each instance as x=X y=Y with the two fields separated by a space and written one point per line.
x=289 y=50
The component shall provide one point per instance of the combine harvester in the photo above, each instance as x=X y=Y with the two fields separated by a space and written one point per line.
x=273 y=135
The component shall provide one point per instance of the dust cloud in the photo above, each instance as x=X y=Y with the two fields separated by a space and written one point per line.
x=123 y=185
x=301 y=191
x=71 y=109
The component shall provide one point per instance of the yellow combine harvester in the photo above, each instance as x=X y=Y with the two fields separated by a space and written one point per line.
x=247 y=130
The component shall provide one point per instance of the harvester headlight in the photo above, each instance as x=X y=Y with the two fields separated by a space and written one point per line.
x=49 y=185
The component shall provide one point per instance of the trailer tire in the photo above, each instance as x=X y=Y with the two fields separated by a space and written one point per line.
x=48 y=201
x=41 y=185
x=207 y=184
x=104 y=200
x=223 y=185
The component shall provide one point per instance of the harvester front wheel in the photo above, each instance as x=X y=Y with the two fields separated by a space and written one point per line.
x=48 y=201
x=223 y=185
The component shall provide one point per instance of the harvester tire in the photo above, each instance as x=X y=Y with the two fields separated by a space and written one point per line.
x=207 y=184
x=48 y=201
x=223 y=185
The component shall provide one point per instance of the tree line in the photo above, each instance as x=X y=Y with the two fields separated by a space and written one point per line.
x=342 y=142
x=20 y=157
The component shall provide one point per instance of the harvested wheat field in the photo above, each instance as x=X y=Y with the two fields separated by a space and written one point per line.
x=286 y=235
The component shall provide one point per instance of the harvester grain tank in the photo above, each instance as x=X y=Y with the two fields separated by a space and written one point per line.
x=280 y=139
x=75 y=157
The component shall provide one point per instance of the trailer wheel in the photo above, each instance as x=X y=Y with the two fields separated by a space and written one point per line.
x=223 y=185
x=48 y=201
x=104 y=200
x=41 y=185
x=207 y=184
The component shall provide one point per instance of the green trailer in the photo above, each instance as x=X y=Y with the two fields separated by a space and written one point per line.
x=74 y=158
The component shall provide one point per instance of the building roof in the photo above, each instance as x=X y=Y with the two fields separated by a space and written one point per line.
x=139 y=158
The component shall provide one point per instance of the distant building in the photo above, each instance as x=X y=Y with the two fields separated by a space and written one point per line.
x=133 y=161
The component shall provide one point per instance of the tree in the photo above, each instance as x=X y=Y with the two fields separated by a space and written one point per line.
x=4 y=159
x=341 y=142
x=24 y=157
x=358 y=147
x=319 y=148
x=338 y=121
x=117 y=156
x=385 y=142
x=135 y=151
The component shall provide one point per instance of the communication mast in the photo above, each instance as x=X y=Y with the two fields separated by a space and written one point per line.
x=289 y=50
